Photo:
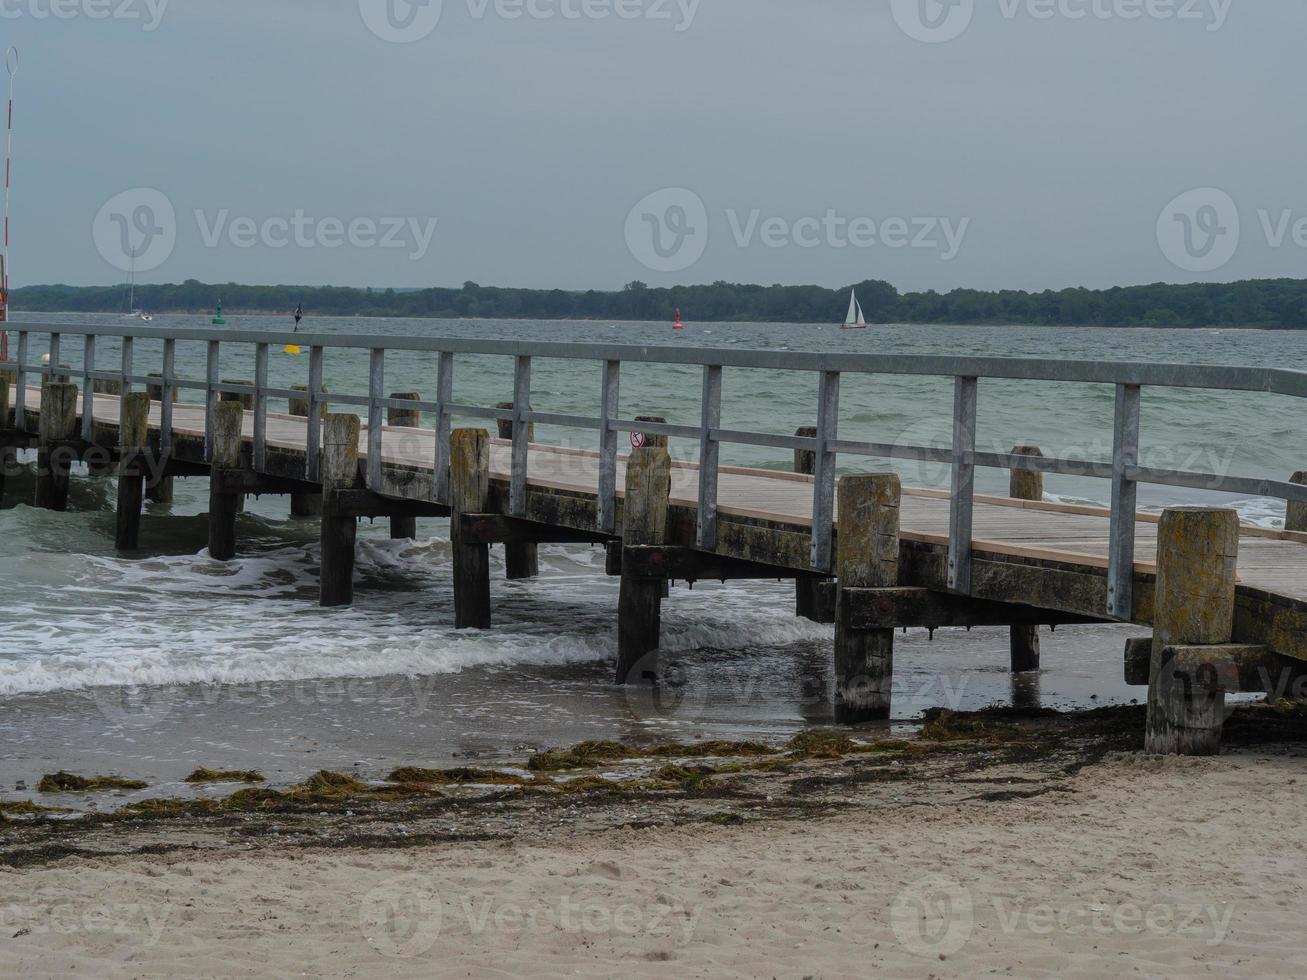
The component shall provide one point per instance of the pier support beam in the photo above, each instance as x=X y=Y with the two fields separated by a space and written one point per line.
x=304 y=504
x=224 y=504
x=404 y=527
x=58 y=427
x=521 y=559
x=1197 y=557
x=1024 y=640
x=808 y=592
x=161 y=490
x=469 y=493
x=867 y=557
x=340 y=472
x=133 y=440
x=644 y=523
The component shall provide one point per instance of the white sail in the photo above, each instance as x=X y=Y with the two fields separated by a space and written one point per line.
x=855 y=311
x=862 y=320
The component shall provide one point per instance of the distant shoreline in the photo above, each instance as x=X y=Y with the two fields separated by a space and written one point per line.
x=1265 y=304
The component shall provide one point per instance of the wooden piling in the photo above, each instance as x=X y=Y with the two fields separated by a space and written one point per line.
x=1295 y=519
x=521 y=559
x=133 y=440
x=653 y=440
x=1024 y=640
x=405 y=527
x=224 y=505
x=644 y=523
x=7 y=455
x=58 y=425
x=304 y=504
x=807 y=596
x=340 y=471
x=1197 y=559
x=867 y=557
x=246 y=402
x=469 y=493
x=161 y=490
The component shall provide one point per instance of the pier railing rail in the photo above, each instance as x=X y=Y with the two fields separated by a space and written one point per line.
x=1125 y=472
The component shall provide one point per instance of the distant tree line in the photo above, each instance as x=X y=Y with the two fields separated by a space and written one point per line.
x=1280 y=303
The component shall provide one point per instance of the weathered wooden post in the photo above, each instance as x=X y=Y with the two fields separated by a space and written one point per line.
x=1197 y=559
x=58 y=425
x=1295 y=519
x=867 y=557
x=652 y=440
x=304 y=504
x=404 y=528
x=807 y=597
x=521 y=559
x=644 y=523
x=133 y=441
x=224 y=505
x=340 y=471
x=161 y=490
x=1024 y=640
x=246 y=402
x=469 y=493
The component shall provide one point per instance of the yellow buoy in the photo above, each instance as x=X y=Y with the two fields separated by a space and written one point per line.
x=292 y=349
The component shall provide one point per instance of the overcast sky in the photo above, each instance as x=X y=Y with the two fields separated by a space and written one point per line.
x=1005 y=144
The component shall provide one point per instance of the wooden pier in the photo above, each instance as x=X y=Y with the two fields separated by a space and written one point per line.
x=1228 y=603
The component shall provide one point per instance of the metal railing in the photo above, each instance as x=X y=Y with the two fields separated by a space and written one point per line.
x=1125 y=473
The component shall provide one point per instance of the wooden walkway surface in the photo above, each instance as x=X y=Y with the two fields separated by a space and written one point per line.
x=1271 y=561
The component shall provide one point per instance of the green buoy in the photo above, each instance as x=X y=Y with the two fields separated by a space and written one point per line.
x=217 y=317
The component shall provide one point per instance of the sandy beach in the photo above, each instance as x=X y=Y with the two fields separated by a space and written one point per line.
x=980 y=861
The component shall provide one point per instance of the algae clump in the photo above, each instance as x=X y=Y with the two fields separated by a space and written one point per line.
x=224 y=776
x=67 y=782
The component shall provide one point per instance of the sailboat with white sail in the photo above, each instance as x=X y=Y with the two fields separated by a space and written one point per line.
x=133 y=313
x=855 y=320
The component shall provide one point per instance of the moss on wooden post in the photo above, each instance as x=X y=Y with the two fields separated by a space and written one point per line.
x=1295 y=518
x=1197 y=558
x=224 y=505
x=340 y=471
x=469 y=493
x=1024 y=640
x=867 y=557
x=133 y=441
x=644 y=523
x=58 y=425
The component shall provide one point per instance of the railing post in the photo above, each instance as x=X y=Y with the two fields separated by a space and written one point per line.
x=20 y=384
x=608 y=409
x=53 y=364
x=1121 y=547
x=710 y=415
x=313 y=426
x=444 y=397
x=521 y=437
x=963 y=485
x=376 y=418
x=260 y=407
x=823 y=490
x=167 y=396
x=88 y=388
x=210 y=398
